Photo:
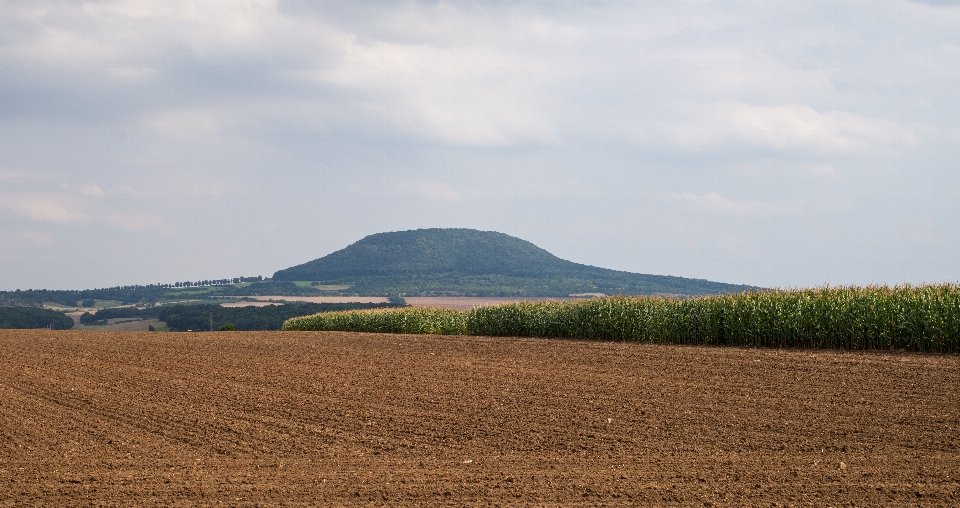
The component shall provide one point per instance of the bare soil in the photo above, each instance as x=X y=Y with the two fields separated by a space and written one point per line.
x=296 y=419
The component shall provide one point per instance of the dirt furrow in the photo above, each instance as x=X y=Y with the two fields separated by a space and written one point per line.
x=129 y=418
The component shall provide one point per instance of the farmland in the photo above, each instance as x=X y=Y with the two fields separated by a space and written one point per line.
x=440 y=302
x=917 y=318
x=329 y=418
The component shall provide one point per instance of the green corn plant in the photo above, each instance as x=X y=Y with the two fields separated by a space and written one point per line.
x=915 y=318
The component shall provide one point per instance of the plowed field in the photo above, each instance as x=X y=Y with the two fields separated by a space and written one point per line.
x=281 y=418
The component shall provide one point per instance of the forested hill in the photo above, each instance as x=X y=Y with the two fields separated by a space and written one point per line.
x=471 y=262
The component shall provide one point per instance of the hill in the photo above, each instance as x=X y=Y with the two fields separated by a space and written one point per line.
x=477 y=263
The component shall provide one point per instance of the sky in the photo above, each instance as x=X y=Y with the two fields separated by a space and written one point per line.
x=771 y=143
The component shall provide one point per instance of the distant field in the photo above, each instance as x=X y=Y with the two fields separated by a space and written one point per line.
x=247 y=304
x=440 y=302
x=322 y=287
x=192 y=291
x=467 y=302
x=98 y=304
x=307 y=418
x=323 y=299
x=123 y=325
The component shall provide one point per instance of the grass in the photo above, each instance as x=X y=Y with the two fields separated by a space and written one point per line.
x=131 y=324
x=98 y=304
x=192 y=291
x=59 y=307
x=916 y=318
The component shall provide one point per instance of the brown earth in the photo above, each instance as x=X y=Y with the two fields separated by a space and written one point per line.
x=283 y=418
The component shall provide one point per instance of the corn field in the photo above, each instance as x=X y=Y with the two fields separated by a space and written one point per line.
x=403 y=320
x=915 y=318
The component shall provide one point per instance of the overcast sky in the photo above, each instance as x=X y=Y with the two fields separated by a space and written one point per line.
x=782 y=143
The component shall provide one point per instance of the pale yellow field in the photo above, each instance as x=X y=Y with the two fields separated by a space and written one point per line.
x=443 y=302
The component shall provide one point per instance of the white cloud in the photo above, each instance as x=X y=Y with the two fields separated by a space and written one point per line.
x=430 y=190
x=206 y=117
x=799 y=126
x=714 y=203
x=778 y=167
x=135 y=222
x=37 y=239
x=821 y=169
x=78 y=206
x=420 y=76
x=185 y=122
x=469 y=95
x=789 y=127
x=13 y=176
x=92 y=190
x=209 y=28
x=133 y=71
x=45 y=208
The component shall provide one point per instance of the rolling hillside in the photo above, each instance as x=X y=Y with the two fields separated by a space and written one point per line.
x=477 y=263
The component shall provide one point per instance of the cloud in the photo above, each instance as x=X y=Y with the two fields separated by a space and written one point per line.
x=45 y=208
x=462 y=94
x=821 y=169
x=135 y=222
x=202 y=118
x=783 y=128
x=419 y=76
x=92 y=190
x=37 y=239
x=778 y=167
x=184 y=122
x=79 y=206
x=714 y=203
x=133 y=71
x=939 y=3
x=430 y=190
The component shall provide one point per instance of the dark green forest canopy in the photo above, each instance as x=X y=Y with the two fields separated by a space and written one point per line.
x=269 y=317
x=483 y=263
x=31 y=317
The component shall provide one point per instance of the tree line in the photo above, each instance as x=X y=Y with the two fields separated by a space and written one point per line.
x=129 y=294
x=209 y=317
x=32 y=317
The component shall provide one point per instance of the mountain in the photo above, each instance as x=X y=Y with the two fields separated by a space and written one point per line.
x=477 y=263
